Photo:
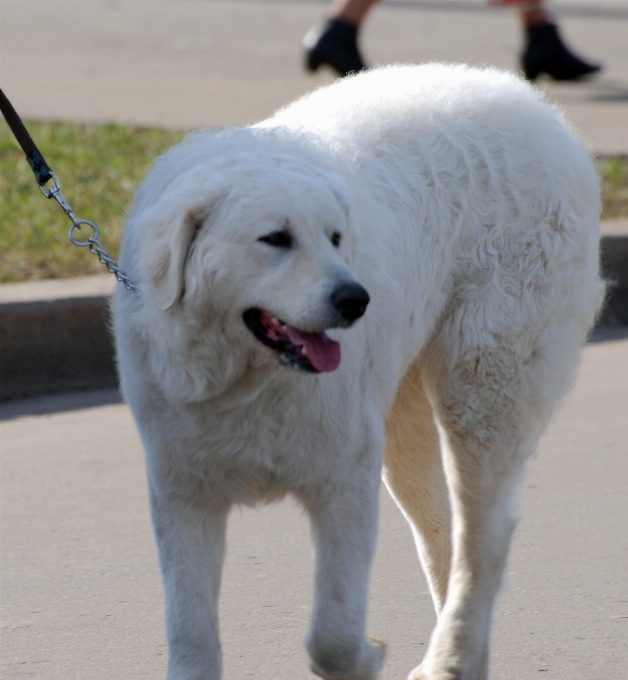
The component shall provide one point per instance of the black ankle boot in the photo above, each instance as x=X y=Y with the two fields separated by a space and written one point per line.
x=546 y=53
x=335 y=43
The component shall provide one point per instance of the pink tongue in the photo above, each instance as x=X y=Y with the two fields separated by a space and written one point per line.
x=323 y=352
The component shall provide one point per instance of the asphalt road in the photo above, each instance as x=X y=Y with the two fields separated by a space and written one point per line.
x=81 y=596
x=187 y=64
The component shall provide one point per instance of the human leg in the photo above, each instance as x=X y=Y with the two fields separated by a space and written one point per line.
x=335 y=42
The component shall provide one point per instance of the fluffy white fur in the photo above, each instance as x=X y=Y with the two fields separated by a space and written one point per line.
x=469 y=212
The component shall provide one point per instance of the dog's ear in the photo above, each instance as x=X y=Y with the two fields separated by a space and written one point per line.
x=167 y=239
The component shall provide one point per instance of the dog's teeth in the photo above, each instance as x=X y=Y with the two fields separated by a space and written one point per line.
x=304 y=351
x=275 y=320
x=284 y=327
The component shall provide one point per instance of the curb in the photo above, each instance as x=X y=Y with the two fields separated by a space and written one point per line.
x=55 y=337
x=614 y=265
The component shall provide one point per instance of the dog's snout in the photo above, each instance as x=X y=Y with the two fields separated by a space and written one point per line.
x=350 y=299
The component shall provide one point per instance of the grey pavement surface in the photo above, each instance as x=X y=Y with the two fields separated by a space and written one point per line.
x=188 y=64
x=79 y=587
x=81 y=597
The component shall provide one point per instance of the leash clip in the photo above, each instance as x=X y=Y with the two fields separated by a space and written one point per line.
x=55 y=192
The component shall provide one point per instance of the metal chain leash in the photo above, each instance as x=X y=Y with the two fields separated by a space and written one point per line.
x=44 y=174
x=92 y=243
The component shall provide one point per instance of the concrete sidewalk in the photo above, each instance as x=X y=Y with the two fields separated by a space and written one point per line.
x=187 y=64
x=81 y=595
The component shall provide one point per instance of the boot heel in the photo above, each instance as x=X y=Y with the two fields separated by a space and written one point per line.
x=313 y=61
x=531 y=72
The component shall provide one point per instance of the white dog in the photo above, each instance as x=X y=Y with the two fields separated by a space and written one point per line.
x=453 y=210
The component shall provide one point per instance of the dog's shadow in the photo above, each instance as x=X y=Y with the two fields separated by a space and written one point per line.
x=58 y=403
x=607 y=334
x=601 y=91
x=609 y=92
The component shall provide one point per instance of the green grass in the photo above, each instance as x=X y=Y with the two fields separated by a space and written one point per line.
x=614 y=173
x=100 y=166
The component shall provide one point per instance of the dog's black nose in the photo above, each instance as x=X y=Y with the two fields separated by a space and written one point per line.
x=350 y=299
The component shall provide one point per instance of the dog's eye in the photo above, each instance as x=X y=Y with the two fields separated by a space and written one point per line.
x=335 y=239
x=278 y=239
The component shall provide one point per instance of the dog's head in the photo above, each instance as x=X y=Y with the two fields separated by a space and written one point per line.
x=258 y=254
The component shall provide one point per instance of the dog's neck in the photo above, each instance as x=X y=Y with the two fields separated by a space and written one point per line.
x=246 y=389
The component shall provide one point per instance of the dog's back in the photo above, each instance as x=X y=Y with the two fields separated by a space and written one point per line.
x=491 y=199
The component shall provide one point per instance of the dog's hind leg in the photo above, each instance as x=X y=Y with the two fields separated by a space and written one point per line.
x=414 y=475
x=490 y=411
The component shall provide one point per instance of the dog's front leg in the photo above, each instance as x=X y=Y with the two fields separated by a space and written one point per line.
x=190 y=534
x=344 y=528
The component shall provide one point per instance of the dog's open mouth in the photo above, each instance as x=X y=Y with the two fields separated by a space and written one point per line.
x=313 y=352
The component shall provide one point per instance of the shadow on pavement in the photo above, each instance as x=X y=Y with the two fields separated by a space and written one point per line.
x=57 y=403
x=607 y=333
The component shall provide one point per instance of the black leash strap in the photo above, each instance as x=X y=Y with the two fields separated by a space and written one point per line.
x=33 y=155
x=43 y=174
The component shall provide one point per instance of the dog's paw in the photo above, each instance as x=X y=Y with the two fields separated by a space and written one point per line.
x=338 y=664
x=415 y=674
x=451 y=665
x=377 y=653
x=451 y=672
x=418 y=674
